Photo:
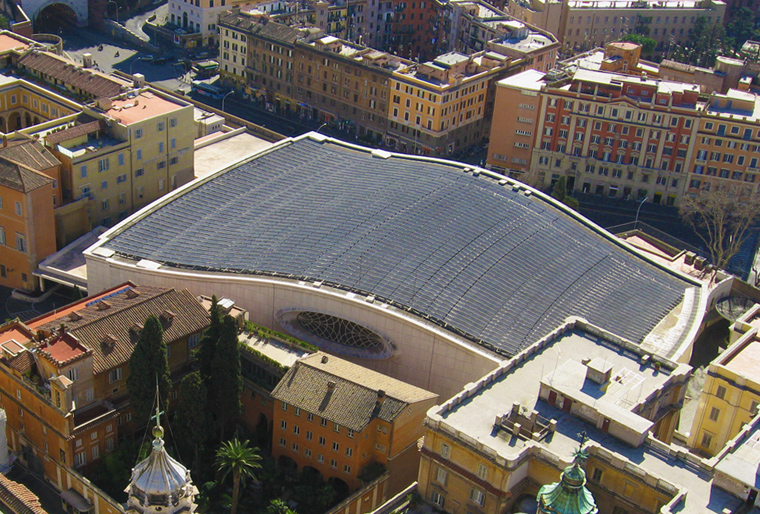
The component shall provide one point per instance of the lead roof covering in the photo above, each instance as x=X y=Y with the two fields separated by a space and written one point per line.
x=477 y=257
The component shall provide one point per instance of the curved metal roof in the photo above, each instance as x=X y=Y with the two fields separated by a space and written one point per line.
x=476 y=255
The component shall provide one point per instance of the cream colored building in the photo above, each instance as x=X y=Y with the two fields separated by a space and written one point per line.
x=584 y=24
x=731 y=393
x=129 y=151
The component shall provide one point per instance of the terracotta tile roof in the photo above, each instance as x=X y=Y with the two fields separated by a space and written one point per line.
x=22 y=362
x=108 y=331
x=90 y=81
x=62 y=349
x=76 y=131
x=269 y=29
x=345 y=393
x=30 y=154
x=20 y=178
x=18 y=498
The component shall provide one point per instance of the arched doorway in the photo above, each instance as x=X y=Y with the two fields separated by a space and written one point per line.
x=14 y=122
x=55 y=19
x=28 y=120
x=263 y=437
x=3 y=126
x=341 y=488
x=36 y=120
x=184 y=20
x=288 y=466
x=311 y=476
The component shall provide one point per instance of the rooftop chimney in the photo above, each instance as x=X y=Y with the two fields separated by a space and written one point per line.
x=87 y=60
x=324 y=359
x=331 y=385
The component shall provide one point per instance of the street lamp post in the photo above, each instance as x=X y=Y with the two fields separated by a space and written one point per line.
x=225 y=98
x=636 y=223
x=321 y=127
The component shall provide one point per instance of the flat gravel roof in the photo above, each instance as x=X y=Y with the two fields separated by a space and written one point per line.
x=479 y=258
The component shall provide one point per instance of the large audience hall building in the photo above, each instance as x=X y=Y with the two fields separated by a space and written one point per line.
x=429 y=271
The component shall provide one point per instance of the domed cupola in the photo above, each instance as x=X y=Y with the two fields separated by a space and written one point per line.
x=160 y=484
x=569 y=495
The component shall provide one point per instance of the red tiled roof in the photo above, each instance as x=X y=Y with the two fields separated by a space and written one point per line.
x=30 y=154
x=108 y=332
x=19 y=498
x=76 y=131
x=90 y=81
x=22 y=362
x=62 y=349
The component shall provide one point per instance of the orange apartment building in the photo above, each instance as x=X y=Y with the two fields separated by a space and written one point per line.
x=63 y=375
x=337 y=418
x=610 y=134
x=617 y=132
x=29 y=192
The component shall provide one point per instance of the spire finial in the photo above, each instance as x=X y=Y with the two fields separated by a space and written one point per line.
x=580 y=455
x=158 y=431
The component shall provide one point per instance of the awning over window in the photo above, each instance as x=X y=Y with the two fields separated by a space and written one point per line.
x=76 y=500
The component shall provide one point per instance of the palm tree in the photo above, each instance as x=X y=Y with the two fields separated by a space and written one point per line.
x=239 y=459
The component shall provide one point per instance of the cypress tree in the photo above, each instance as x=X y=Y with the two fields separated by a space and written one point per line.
x=191 y=419
x=207 y=348
x=226 y=380
x=148 y=362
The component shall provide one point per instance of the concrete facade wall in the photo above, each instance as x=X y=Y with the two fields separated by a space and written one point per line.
x=425 y=355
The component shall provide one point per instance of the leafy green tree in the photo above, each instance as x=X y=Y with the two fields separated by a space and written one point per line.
x=741 y=28
x=277 y=506
x=191 y=419
x=642 y=25
x=148 y=366
x=226 y=379
x=705 y=42
x=647 y=43
x=207 y=348
x=559 y=192
x=237 y=458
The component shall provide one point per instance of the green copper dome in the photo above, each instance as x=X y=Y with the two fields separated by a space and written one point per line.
x=569 y=495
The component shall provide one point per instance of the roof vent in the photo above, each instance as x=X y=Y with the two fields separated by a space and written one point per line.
x=331 y=385
x=136 y=328
x=133 y=293
x=110 y=341
x=74 y=316
x=324 y=359
x=103 y=305
x=168 y=315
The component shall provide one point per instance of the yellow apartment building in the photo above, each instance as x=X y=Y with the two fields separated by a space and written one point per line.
x=28 y=194
x=24 y=104
x=439 y=107
x=436 y=107
x=726 y=144
x=340 y=419
x=731 y=393
x=124 y=153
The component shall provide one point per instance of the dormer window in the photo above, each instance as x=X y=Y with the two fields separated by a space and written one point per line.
x=74 y=316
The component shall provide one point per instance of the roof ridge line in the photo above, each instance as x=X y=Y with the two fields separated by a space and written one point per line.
x=138 y=302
